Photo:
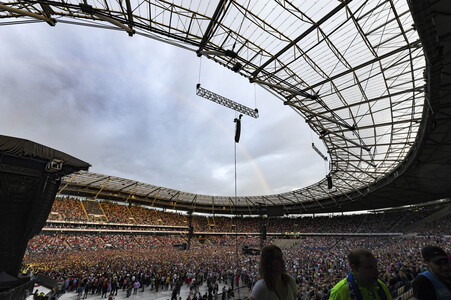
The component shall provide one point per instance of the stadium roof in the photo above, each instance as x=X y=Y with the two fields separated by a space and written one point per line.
x=365 y=76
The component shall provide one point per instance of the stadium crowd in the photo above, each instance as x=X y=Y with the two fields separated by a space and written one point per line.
x=315 y=265
x=104 y=264
x=70 y=209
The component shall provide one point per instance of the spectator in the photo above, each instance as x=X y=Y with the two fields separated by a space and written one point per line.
x=275 y=283
x=436 y=282
x=362 y=281
x=136 y=286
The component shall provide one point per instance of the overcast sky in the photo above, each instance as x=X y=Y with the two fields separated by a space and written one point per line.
x=127 y=105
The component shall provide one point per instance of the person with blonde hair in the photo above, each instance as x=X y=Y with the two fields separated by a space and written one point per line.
x=274 y=283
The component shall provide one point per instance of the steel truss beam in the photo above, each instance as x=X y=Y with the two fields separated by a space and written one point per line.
x=200 y=91
x=299 y=38
x=354 y=73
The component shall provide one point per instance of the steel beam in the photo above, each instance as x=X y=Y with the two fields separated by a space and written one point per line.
x=226 y=102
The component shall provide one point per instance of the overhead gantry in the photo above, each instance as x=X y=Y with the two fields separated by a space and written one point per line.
x=355 y=71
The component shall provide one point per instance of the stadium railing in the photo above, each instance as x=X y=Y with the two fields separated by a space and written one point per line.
x=20 y=292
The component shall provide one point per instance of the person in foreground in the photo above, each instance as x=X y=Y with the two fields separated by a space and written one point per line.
x=275 y=283
x=435 y=283
x=362 y=282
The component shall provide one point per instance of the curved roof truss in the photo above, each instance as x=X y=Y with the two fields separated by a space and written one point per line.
x=353 y=70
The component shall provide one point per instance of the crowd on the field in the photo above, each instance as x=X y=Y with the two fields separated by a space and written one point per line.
x=315 y=266
x=55 y=243
x=109 y=263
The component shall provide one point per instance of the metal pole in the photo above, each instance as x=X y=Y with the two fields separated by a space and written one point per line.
x=236 y=224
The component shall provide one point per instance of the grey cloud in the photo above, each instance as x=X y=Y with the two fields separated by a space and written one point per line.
x=128 y=106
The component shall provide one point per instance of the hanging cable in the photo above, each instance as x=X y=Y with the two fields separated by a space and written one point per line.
x=200 y=67
x=255 y=96
x=325 y=166
x=235 y=171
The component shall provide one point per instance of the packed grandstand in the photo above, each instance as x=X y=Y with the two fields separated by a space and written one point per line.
x=101 y=245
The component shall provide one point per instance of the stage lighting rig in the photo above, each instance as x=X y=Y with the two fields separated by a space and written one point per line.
x=226 y=102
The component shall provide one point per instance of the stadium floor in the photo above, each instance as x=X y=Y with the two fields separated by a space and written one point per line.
x=241 y=293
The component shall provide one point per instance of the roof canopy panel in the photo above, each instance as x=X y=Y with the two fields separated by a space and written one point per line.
x=354 y=70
